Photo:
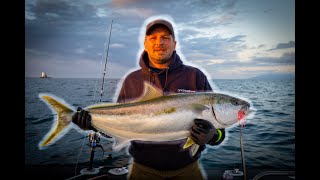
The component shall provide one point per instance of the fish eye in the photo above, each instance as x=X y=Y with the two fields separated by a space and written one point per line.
x=234 y=101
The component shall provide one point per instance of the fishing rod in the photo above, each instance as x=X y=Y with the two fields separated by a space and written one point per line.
x=94 y=137
x=114 y=171
x=105 y=64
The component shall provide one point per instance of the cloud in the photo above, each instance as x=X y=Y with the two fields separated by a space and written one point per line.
x=212 y=33
x=126 y=3
x=216 y=47
x=63 y=66
x=194 y=32
x=222 y=68
x=286 y=58
x=237 y=39
x=290 y=44
x=30 y=16
x=116 y=45
x=278 y=69
x=102 y=12
x=247 y=71
x=215 y=61
x=135 y=12
x=47 y=11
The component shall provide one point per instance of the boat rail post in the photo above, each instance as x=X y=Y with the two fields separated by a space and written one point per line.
x=94 y=139
x=91 y=158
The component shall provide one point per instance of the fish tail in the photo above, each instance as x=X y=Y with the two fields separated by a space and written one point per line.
x=62 y=120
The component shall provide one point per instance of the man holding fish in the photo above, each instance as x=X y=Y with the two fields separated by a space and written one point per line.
x=162 y=68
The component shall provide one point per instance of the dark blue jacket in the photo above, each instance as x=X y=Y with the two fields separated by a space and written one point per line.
x=177 y=78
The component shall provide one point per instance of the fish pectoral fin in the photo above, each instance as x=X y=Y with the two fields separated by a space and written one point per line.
x=194 y=147
x=198 y=108
x=188 y=143
x=150 y=92
x=119 y=143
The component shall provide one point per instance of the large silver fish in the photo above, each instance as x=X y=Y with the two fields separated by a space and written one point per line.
x=154 y=117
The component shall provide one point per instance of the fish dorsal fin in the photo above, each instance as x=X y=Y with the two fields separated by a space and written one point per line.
x=150 y=92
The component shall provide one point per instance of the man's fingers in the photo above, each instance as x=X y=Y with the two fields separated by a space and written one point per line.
x=75 y=117
x=203 y=123
x=194 y=129
x=202 y=130
x=82 y=119
x=199 y=130
x=194 y=137
x=85 y=114
x=79 y=118
x=88 y=120
x=81 y=113
x=197 y=121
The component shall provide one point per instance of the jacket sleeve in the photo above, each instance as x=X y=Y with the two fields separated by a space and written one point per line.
x=131 y=88
x=202 y=82
x=207 y=86
x=122 y=95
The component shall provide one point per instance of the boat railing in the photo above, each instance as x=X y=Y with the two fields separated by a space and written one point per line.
x=289 y=174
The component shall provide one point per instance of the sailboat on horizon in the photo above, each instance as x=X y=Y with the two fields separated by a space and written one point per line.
x=44 y=75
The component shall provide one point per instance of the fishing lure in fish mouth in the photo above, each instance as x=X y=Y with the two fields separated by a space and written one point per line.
x=241 y=118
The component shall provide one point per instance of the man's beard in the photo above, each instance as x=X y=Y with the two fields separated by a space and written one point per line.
x=162 y=60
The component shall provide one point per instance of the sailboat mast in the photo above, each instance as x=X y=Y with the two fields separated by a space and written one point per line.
x=105 y=65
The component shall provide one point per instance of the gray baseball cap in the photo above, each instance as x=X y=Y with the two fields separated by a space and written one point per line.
x=152 y=24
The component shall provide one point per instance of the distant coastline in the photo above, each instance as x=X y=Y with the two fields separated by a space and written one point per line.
x=284 y=76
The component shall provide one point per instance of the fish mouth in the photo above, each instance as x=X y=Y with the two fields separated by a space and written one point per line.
x=243 y=112
x=245 y=109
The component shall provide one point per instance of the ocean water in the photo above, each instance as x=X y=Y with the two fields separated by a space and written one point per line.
x=268 y=136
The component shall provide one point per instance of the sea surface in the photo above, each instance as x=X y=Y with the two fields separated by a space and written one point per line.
x=268 y=136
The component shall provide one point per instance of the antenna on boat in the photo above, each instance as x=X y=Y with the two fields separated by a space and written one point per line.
x=105 y=65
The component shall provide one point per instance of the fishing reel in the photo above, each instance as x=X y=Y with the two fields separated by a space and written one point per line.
x=94 y=139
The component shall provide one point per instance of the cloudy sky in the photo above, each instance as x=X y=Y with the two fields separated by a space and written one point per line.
x=228 y=39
